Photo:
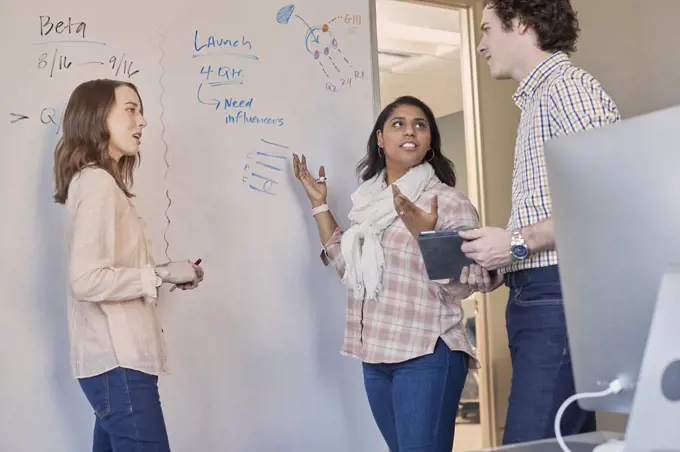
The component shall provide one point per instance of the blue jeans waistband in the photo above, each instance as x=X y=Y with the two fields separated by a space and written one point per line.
x=536 y=275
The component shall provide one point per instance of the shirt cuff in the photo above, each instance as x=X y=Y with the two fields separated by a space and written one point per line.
x=149 y=282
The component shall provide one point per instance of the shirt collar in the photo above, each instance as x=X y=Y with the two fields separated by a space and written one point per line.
x=531 y=82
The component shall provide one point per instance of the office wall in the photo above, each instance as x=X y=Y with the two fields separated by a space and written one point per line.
x=440 y=90
x=452 y=130
x=631 y=47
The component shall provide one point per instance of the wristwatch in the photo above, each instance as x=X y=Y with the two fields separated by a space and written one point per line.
x=518 y=247
x=159 y=280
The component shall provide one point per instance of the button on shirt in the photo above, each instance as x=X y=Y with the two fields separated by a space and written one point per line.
x=112 y=299
x=555 y=99
x=412 y=311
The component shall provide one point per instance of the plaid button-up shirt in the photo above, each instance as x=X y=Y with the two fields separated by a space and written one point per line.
x=555 y=99
x=412 y=311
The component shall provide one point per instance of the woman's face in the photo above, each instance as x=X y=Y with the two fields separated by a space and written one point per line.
x=405 y=137
x=125 y=123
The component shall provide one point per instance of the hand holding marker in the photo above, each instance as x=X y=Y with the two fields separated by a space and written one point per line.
x=172 y=289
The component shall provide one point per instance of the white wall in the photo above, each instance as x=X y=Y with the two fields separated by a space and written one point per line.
x=437 y=83
x=451 y=128
x=428 y=39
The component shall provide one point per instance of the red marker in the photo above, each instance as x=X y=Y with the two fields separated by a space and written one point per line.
x=198 y=262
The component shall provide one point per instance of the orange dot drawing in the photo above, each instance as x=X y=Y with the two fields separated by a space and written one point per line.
x=324 y=28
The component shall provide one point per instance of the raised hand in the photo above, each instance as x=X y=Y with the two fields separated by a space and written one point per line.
x=316 y=191
x=415 y=219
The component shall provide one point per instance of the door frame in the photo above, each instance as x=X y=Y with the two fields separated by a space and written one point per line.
x=490 y=121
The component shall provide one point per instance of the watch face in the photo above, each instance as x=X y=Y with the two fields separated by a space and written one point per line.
x=520 y=251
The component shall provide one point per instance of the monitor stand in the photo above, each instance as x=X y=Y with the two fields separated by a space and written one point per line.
x=653 y=424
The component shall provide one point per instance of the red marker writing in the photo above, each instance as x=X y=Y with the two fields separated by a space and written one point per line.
x=172 y=289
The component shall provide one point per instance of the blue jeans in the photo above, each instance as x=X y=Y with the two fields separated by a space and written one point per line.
x=542 y=376
x=128 y=414
x=415 y=402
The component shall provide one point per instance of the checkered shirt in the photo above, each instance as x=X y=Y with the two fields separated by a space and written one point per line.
x=555 y=99
x=412 y=311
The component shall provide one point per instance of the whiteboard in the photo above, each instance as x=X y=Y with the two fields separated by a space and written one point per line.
x=254 y=353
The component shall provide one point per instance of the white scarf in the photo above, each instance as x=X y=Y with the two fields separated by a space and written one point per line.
x=372 y=212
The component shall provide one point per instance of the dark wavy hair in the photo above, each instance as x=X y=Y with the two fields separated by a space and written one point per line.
x=554 y=21
x=373 y=163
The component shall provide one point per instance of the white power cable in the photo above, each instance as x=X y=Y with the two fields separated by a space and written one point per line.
x=615 y=387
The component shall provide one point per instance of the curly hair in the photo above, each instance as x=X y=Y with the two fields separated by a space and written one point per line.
x=554 y=21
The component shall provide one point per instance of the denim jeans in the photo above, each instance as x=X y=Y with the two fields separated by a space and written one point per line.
x=542 y=375
x=415 y=402
x=128 y=414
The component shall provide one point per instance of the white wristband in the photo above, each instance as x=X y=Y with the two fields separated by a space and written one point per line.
x=320 y=209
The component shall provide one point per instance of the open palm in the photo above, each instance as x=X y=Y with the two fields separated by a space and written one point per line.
x=316 y=191
x=415 y=219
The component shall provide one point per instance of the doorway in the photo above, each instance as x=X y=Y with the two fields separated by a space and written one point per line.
x=423 y=51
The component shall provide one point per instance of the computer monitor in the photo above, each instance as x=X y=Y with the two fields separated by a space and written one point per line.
x=616 y=211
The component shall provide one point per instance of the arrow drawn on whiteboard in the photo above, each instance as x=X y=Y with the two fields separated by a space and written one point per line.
x=321 y=43
x=214 y=101
x=311 y=30
x=18 y=117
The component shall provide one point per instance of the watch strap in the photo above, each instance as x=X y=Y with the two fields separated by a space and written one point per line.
x=517 y=238
x=517 y=241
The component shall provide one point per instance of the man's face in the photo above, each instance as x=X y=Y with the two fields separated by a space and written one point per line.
x=498 y=45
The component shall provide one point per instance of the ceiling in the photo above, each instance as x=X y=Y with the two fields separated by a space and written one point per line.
x=418 y=51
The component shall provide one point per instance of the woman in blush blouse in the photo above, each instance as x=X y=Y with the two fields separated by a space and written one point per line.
x=116 y=344
x=406 y=329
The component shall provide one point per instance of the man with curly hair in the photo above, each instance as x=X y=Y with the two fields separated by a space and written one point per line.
x=530 y=41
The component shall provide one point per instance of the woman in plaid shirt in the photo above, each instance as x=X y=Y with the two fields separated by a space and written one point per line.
x=406 y=329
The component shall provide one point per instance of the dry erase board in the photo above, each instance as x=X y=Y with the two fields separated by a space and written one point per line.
x=230 y=89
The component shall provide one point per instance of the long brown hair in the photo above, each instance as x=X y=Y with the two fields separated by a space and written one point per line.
x=85 y=137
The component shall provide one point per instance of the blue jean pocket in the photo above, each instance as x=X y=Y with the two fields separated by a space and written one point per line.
x=97 y=392
x=537 y=294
